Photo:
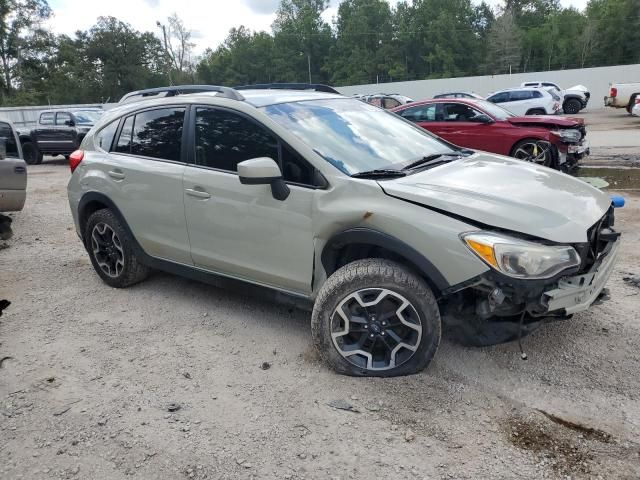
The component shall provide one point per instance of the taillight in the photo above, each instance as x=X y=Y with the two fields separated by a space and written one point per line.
x=75 y=158
x=614 y=92
x=637 y=100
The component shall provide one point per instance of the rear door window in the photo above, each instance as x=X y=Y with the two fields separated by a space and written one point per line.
x=423 y=113
x=499 y=97
x=158 y=133
x=46 y=118
x=391 y=103
x=62 y=118
x=520 y=95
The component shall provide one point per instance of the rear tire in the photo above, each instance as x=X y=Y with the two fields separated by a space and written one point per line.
x=376 y=318
x=572 y=106
x=536 y=111
x=111 y=250
x=632 y=102
x=31 y=154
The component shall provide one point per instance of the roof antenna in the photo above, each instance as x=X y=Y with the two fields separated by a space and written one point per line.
x=523 y=355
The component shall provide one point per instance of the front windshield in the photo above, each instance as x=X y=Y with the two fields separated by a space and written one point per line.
x=354 y=136
x=494 y=110
x=87 y=116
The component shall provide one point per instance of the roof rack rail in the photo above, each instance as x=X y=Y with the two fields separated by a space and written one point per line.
x=174 y=90
x=318 y=87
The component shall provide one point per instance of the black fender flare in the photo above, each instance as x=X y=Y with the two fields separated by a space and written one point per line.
x=91 y=197
x=329 y=255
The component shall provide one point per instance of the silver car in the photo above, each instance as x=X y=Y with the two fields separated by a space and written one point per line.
x=386 y=229
x=13 y=170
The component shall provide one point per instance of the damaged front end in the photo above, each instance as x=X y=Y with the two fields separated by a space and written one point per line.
x=495 y=308
x=572 y=145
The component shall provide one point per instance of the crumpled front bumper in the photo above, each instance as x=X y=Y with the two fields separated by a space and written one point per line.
x=576 y=294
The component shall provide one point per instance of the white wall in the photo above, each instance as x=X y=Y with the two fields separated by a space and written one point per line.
x=597 y=80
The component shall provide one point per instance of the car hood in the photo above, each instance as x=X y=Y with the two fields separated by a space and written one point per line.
x=578 y=88
x=546 y=120
x=506 y=193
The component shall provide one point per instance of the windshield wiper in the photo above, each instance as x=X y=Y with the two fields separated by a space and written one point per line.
x=379 y=173
x=432 y=160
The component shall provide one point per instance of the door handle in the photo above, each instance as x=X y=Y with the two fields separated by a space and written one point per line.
x=198 y=193
x=116 y=175
x=20 y=170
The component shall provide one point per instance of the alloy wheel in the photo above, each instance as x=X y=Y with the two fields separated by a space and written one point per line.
x=376 y=329
x=107 y=250
x=536 y=152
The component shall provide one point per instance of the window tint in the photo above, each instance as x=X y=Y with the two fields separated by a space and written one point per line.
x=8 y=139
x=546 y=84
x=532 y=84
x=536 y=95
x=105 y=136
x=224 y=139
x=158 y=133
x=124 y=141
x=520 y=95
x=46 y=118
x=459 y=112
x=499 y=97
x=62 y=117
x=423 y=113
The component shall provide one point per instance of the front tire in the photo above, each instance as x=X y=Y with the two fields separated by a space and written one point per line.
x=376 y=318
x=111 y=250
x=31 y=154
x=536 y=111
x=535 y=151
x=572 y=106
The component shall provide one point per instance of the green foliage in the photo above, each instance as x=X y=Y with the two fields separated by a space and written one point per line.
x=368 y=41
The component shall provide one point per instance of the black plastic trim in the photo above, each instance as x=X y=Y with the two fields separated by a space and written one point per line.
x=368 y=236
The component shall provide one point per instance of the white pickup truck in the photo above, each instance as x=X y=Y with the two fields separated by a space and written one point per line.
x=622 y=95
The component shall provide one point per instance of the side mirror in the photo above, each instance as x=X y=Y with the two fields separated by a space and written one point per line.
x=482 y=119
x=264 y=171
x=70 y=123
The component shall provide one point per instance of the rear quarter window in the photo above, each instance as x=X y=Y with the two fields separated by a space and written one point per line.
x=104 y=138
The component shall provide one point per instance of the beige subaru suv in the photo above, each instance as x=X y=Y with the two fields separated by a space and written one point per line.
x=387 y=230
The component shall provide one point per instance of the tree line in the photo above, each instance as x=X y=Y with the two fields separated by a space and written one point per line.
x=368 y=41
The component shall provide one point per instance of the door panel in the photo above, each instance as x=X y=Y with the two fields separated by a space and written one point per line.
x=146 y=185
x=242 y=231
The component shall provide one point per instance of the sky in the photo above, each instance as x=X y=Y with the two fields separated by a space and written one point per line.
x=209 y=20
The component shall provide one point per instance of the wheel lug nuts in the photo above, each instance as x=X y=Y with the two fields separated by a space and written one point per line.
x=372 y=335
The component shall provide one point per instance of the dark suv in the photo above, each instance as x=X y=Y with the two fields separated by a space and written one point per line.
x=58 y=132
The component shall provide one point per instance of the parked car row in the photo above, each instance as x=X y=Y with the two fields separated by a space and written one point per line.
x=553 y=141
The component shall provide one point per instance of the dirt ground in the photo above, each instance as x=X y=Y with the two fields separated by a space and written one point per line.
x=93 y=372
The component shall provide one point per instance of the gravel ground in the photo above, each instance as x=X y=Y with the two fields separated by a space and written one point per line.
x=94 y=371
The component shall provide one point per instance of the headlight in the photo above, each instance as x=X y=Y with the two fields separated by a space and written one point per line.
x=519 y=258
x=569 y=135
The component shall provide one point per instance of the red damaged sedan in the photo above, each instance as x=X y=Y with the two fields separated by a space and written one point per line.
x=553 y=141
